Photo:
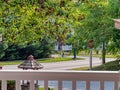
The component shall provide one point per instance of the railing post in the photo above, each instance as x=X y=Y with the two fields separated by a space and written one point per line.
x=101 y=85
x=46 y=84
x=87 y=85
x=60 y=76
x=32 y=86
x=116 y=85
x=18 y=85
x=74 y=85
x=60 y=85
x=4 y=84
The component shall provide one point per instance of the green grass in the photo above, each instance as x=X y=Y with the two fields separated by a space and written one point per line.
x=81 y=68
x=57 y=60
x=99 y=55
x=48 y=60
x=41 y=88
x=10 y=63
x=110 y=66
x=107 y=56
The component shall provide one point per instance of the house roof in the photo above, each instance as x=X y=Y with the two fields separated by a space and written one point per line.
x=117 y=23
x=117 y=20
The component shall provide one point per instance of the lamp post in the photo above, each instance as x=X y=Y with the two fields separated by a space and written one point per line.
x=90 y=45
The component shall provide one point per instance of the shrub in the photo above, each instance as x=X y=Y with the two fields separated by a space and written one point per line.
x=10 y=85
x=19 y=52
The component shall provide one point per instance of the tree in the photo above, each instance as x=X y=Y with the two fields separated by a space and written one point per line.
x=27 y=21
x=97 y=24
x=114 y=46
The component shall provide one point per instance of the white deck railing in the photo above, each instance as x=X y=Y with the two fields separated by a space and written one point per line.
x=100 y=78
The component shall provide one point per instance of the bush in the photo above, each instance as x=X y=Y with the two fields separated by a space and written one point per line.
x=110 y=66
x=10 y=85
x=20 y=52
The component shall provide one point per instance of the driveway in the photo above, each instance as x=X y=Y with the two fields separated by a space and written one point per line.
x=66 y=64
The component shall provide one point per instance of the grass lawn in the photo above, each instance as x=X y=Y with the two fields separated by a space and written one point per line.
x=57 y=60
x=47 y=60
x=81 y=68
x=110 y=66
x=99 y=55
x=41 y=88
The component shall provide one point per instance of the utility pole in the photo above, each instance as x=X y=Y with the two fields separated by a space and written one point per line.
x=90 y=58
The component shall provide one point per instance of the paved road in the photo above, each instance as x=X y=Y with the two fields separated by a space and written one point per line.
x=66 y=64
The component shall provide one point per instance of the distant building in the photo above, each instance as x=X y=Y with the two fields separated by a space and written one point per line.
x=64 y=47
x=117 y=23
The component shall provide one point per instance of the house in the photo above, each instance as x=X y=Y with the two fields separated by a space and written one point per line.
x=117 y=23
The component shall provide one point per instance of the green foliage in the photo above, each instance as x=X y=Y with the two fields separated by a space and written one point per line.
x=17 y=20
x=10 y=85
x=3 y=47
x=27 y=21
x=39 y=50
x=97 y=24
x=114 y=44
x=57 y=59
x=115 y=9
x=110 y=66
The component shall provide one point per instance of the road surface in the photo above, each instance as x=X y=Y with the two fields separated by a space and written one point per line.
x=65 y=65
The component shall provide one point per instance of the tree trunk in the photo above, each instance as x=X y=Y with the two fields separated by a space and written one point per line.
x=103 y=53
x=74 y=52
x=60 y=47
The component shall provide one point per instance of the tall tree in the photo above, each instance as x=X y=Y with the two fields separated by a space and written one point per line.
x=96 y=25
x=25 y=21
x=114 y=44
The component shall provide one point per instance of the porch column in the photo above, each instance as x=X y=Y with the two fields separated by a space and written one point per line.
x=4 y=84
x=18 y=85
x=59 y=84
x=74 y=85
x=46 y=84
x=87 y=85
x=116 y=85
x=32 y=86
x=101 y=85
